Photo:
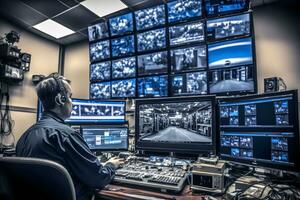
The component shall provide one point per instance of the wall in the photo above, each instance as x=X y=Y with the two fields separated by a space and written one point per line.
x=44 y=60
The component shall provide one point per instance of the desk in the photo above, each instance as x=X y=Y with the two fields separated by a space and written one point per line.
x=122 y=192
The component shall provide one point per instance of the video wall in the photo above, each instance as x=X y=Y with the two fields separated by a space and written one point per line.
x=182 y=47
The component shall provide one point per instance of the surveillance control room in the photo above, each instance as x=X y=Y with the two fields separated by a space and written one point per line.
x=149 y=99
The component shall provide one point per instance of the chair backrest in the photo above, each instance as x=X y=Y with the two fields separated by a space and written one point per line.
x=32 y=178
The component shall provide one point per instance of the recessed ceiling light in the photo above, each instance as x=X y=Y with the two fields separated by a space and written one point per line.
x=53 y=29
x=103 y=8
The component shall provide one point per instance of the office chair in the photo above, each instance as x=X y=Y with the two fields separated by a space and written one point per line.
x=32 y=178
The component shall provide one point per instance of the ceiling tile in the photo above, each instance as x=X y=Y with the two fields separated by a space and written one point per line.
x=132 y=3
x=76 y=18
x=104 y=8
x=76 y=37
x=69 y=3
x=49 y=8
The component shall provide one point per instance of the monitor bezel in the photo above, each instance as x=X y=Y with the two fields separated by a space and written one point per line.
x=176 y=147
x=96 y=23
x=121 y=78
x=130 y=54
x=143 y=77
x=124 y=79
x=258 y=163
x=98 y=80
x=119 y=14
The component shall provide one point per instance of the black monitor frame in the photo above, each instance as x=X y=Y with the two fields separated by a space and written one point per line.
x=295 y=129
x=176 y=147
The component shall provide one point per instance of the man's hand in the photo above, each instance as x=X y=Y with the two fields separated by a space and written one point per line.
x=116 y=161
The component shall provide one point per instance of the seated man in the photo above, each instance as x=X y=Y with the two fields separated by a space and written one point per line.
x=50 y=138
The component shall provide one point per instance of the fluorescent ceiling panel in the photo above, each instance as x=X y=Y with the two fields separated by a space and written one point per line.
x=104 y=7
x=53 y=29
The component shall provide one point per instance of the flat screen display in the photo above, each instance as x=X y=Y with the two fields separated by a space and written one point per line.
x=100 y=71
x=150 y=17
x=217 y=7
x=151 y=40
x=123 y=88
x=181 y=10
x=122 y=46
x=188 y=59
x=124 y=68
x=153 y=86
x=228 y=27
x=230 y=53
x=98 y=31
x=154 y=63
x=99 y=51
x=121 y=24
x=100 y=90
x=189 y=83
x=187 y=33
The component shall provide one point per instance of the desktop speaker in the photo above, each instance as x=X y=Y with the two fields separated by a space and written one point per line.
x=274 y=84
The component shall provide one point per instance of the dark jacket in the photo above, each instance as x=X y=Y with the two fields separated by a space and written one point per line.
x=51 y=139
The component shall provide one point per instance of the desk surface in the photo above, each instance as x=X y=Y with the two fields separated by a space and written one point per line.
x=122 y=192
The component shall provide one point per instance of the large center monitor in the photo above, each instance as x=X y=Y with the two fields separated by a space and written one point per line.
x=178 y=124
x=261 y=130
x=105 y=138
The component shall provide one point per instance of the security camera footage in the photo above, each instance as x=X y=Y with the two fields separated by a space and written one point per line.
x=123 y=88
x=98 y=31
x=230 y=53
x=236 y=79
x=184 y=9
x=153 y=86
x=151 y=40
x=109 y=138
x=227 y=27
x=100 y=90
x=189 y=83
x=122 y=46
x=99 y=51
x=188 y=33
x=121 y=25
x=150 y=17
x=100 y=71
x=178 y=122
x=187 y=59
x=216 y=7
x=260 y=128
x=124 y=68
x=94 y=111
x=153 y=63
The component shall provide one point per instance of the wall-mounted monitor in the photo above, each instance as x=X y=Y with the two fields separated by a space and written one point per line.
x=150 y=17
x=187 y=33
x=261 y=130
x=154 y=63
x=188 y=59
x=177 y=124
x=100 y=90
x=123 y=46
x=100 y=71
x=230 y=53
x=182 y=10
x=217 y=7
x=123 y=88
x=228 y=27
x=105 y=138
x=151 y=40
x=121 y=24
x=99 y=51
x=189 y=83
x=124 y=68
x=98 y=31
x=239 y=79
x=153 y=86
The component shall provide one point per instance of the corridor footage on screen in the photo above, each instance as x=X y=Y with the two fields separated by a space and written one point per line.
x=187 y=122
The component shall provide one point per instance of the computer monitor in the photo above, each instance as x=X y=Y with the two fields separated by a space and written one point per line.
x=124 y=68
x=228 y=27
x=100 y=90
x=217 y=7
x=153 y=63
x=181 y=10
x=176 y=124
x=261 y=130
x=99 y=51
x=150 y=17
x=123 y=88
x=153 y=86
x=100 y=71
x=186 y=33
x=98 y=31
x=151 y=40
x=120 y=25
x=105 y=138
x=123 y=46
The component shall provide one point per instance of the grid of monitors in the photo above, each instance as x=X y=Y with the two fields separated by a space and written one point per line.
x=270 y=139
x=186 y=47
